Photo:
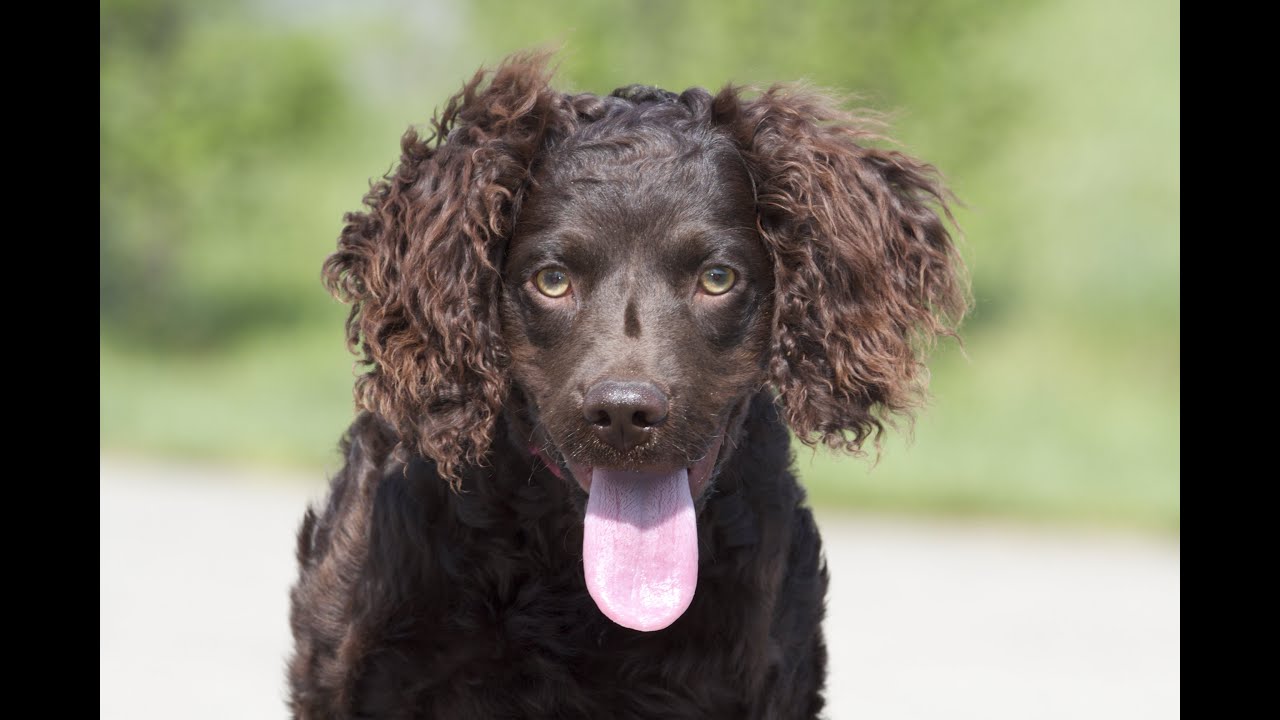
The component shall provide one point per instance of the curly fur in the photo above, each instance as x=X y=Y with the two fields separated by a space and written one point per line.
x=443 y=578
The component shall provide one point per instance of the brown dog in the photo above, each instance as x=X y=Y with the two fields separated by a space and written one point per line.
x=588 y=322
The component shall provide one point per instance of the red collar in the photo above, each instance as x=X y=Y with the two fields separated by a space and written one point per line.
x=553 y=467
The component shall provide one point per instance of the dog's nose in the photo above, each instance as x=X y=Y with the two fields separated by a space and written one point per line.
x=624 y=414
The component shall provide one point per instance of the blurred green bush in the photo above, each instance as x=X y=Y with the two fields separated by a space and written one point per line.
x=234 y=136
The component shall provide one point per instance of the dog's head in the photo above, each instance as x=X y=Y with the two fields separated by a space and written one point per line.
x=620 y=274
x=637 y=295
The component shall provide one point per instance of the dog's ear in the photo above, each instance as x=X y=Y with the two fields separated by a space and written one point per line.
x=866 y=272
x=420 y=266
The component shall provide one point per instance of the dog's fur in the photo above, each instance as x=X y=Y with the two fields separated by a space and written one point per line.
x=444 y=576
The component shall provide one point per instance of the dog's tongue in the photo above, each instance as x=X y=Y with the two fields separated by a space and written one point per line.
x=640 y=546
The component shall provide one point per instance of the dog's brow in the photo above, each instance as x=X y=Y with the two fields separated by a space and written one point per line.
x=569 y=247
x=704 y=236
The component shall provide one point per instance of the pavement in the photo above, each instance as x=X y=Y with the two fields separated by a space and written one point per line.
x=926 y=619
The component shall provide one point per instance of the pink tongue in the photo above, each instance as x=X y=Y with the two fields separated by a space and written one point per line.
x=640 y=546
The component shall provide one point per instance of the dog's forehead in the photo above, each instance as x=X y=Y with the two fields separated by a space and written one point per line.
x=639 y=199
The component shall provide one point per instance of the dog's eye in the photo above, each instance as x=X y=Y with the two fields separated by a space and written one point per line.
x=552 y=282
x=717 y=280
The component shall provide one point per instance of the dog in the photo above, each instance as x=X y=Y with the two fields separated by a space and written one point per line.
x=588 y=327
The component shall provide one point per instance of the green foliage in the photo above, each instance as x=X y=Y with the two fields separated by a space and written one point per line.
x=203 y=120
x=234 y=137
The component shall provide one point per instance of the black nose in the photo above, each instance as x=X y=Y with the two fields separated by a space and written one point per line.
x=624 y=414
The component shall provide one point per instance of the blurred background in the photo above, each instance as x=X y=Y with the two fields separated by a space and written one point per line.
x=234 y=135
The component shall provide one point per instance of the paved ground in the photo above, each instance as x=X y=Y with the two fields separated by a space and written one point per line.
x=927 y=620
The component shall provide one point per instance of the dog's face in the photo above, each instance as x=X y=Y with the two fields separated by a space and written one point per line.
x=616 y=275
x=636 y=306
x=636 y=303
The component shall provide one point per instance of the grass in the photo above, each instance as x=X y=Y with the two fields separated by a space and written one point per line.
x=278 y=400
x=1044 y=427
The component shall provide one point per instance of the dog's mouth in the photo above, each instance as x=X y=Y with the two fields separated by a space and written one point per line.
x=640 y=540
x=640 y=537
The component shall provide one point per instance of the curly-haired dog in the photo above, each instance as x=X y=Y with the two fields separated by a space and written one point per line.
x=588 y=323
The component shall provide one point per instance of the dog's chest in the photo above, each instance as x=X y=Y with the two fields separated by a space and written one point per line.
x=524 y=639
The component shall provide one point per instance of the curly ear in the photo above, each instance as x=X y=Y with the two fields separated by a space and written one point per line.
x=421 y=266
x=866 y=272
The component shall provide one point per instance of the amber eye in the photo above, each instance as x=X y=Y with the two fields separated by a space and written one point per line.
x=552 y=282
x=717 y=280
